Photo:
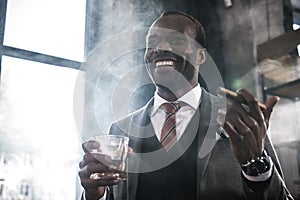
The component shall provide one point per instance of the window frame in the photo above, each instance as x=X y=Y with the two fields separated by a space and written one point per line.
x=29 y=55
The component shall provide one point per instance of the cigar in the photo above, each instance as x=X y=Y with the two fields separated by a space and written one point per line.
x=234 y=96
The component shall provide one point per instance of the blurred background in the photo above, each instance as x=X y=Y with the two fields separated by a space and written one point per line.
x=50 y=101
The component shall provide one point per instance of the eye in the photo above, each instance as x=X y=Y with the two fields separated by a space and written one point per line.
x=177 y=40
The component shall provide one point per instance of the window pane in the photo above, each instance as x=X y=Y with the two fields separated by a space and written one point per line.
x=54 y=27
x=40 y=145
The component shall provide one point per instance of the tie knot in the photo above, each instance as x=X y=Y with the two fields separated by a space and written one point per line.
x=171 y=107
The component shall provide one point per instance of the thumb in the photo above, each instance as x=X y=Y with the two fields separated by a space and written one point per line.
x=269 y=108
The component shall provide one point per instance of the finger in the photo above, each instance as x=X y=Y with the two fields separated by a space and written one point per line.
x=86 y=171
x=244 y=124
x=89 y=145
x=239 y=125
x=94 y=157
x=255 y=110
x=240 y=146
x=258 y=124
x=248 y=121
x=249 y=124
x=233 y=135
x=93 y=183
x=270 y=105
x=249 y=138
x=82 y=163
x=259 y=117
x=250 y=128
x=87 y=158
x=239 y=117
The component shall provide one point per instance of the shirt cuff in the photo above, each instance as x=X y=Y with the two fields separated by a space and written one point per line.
x=102 y=198
x=104 y=195
x=262 y=177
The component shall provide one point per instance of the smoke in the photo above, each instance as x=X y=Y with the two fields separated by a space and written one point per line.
x=117 y=55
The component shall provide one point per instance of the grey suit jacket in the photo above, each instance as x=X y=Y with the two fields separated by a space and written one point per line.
x=218 y=173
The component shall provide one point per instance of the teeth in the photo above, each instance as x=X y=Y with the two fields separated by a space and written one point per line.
x=164 y=63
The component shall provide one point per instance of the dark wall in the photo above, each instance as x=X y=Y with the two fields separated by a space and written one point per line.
x=233 y=34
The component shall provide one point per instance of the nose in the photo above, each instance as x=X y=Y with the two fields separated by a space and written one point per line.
x=163 y=46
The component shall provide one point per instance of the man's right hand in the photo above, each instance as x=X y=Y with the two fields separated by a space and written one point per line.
x=93 y=163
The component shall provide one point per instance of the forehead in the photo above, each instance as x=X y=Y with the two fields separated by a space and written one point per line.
x=174 y=22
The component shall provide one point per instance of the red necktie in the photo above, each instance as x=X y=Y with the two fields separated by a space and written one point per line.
x=168 y=133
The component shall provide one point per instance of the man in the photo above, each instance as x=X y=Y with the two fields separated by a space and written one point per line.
x=193 y=159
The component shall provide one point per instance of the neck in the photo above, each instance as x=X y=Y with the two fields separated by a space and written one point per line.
x=172 y=96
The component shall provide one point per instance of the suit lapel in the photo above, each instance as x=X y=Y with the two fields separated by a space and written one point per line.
x=140 y=124
x=206 y=135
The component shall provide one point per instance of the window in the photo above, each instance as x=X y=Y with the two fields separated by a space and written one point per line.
x=42 y=50
x=53 y=27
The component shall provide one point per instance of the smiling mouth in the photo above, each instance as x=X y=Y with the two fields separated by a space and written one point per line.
x=164 y=63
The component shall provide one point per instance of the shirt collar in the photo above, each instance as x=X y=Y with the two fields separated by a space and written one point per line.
x=191 y=98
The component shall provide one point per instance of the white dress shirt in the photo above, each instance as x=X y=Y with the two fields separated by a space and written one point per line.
x=189 y=104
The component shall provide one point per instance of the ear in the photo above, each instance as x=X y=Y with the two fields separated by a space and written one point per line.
x=201 y=56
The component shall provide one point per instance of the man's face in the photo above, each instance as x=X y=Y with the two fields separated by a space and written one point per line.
x=171 y=55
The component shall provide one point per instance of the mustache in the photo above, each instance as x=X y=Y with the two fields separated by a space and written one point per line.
x=166 y=55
